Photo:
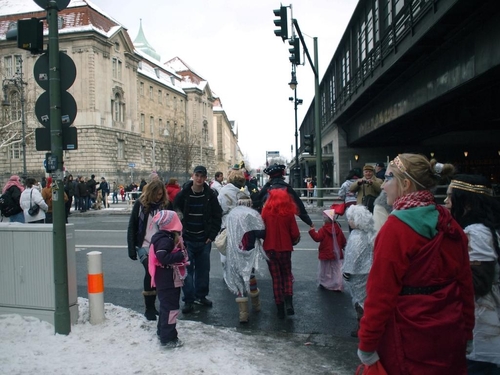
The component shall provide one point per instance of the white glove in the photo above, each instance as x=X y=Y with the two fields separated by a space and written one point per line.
x=368 y=358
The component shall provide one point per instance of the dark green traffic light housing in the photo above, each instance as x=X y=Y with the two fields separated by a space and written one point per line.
x=29 y=35
x=281 y=23
x=294 y=51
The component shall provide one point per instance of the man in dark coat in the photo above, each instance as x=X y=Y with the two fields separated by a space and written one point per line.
x=201 y=220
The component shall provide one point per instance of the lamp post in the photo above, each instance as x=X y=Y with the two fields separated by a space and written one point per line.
x=19 y=84
x=293 y=85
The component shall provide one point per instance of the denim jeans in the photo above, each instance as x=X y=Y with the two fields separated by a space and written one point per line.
x=198 y=272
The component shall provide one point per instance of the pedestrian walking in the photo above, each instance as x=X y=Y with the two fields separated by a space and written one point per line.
x=30 y=198
x=358 y=257
x=167 y=262
x=470 y=199
x=201 y=219
x=152 y=200
x=282 y=233
x=10 y=200
x=330 y=253
x=419 y=309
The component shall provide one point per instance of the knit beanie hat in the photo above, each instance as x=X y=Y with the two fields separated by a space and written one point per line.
x=168 y=220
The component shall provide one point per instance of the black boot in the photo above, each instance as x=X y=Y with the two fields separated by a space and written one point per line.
x=149 y=300
x=289 y=305
x=281 y=310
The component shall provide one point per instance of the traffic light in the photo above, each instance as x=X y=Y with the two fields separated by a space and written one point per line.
x=294 y=51
x=30 y=35
x=308 y=144
x=281 y=23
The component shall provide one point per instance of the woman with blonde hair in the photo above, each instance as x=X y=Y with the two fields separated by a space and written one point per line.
x=419 y=309
x=152 y=200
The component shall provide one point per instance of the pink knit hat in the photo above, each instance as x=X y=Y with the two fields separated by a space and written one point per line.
x=168 y=220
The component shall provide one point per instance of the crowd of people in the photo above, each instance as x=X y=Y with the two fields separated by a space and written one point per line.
x=423 y=277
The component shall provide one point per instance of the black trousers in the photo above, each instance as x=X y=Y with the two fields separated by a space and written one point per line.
x=169 y=310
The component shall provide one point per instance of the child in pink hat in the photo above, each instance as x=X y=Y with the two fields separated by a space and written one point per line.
x=167 y=265
x=331 y=246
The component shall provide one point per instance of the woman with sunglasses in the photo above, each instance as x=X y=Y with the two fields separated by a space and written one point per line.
x=419 y=310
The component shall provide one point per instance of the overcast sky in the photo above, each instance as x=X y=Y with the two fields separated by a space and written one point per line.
x=233 y=46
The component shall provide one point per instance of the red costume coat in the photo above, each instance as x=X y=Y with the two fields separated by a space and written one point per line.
x=419 y=333
x=281 y=232
x=325 y=238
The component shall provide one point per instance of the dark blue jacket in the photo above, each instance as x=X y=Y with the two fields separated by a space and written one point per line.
x=164 y=243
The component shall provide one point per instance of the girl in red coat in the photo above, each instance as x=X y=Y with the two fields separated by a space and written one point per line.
x=282 y=233
x=331 y=247
x=419 y=309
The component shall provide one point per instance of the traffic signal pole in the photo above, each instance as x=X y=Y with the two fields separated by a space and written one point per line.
x=317 y=127
x=62 y=321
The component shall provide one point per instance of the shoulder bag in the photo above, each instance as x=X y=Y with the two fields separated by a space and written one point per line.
x=34 y=208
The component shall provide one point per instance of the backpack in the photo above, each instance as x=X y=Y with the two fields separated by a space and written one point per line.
x=8 y=205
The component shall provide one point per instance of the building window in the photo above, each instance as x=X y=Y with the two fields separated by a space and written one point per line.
x=12 y=65
x=119 y=70
x=143 y=153
x=205 y=131
x=151 y=92
x=118 y=108
x=15 y=150
x=159 y=96
x=160 y=125
x=120 y=149
x=151 y=125
x=143 y=125
x=116 y=68
x=15 y=106
x=117 y=47
x=141 y=88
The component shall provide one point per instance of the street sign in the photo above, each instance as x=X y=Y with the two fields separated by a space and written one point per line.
x=131 y=165
x=43 y=141
x=67 y=66
x=272 y=154
x=68 y=109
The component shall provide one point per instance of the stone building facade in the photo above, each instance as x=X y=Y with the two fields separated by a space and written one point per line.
x=135 y=114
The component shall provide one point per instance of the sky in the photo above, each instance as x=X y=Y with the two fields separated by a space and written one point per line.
x=126 y=343
x=233 y=46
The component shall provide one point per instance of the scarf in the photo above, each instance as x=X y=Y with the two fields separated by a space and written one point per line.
x=420 y=198
x=13 y=181
x=153 y=209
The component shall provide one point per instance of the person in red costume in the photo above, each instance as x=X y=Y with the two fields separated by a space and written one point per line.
x=419 y=310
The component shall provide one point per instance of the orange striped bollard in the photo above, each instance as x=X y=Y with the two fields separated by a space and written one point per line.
x=95 y=287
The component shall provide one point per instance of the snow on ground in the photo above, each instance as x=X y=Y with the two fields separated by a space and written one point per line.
x=126 y=343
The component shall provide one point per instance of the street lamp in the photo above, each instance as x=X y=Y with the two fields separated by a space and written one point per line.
x=19 y=84
x=293 y=85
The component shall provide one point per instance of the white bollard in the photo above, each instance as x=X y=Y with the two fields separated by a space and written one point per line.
x=95 y=287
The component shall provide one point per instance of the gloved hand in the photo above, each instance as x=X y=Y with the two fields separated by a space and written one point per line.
x=469 y=348
x=133 y=257
x=346 y=276
x=368 y=358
